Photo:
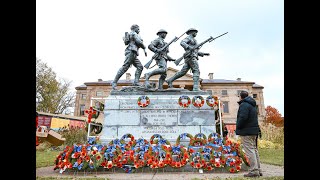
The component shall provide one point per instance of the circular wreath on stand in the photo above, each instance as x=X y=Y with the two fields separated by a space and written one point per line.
x=179 y=156
x=141 y=153
x=153 y=137
x=184 y=101
x=199 y=139
x=212 y=101
x=243 y=155
x=131 y=143
x=198 y=101
x=143 y=101
x=184 y=136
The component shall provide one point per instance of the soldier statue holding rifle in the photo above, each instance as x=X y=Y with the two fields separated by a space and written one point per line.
x=188 y=44
x=161 y=50
x=191 y=54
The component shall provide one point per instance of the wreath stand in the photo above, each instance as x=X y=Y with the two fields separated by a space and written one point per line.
x=89 y=124
x=221 y=132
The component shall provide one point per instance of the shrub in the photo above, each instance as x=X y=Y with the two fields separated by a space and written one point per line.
x=74 y=135
x=272 y=133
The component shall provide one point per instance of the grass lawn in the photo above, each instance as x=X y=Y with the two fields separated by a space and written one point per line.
x=272 y=156
x=46 y=158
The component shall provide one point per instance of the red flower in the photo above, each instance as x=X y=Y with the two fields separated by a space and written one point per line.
x=238 y=168
x=87 y=158
x=161 y=164
x=104 y=164
x=109 y=165
x=231 y=170
x=192 y=164
x=198 y=165
x=173 y=163
x=217 y=164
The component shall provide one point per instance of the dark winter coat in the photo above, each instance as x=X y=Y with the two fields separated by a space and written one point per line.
x=247 y=117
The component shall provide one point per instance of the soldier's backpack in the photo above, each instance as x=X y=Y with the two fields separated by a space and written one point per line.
x=126 y=38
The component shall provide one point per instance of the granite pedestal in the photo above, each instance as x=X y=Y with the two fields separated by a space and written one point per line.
x=162 y=116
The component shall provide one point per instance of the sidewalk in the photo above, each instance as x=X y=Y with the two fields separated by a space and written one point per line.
x=163 y=174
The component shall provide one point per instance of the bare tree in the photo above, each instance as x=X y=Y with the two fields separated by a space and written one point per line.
x=52 y=96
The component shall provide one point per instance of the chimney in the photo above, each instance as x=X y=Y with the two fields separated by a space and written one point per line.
x=99 y=80
x=210 y=75
x=238 y=79
x=128 y=75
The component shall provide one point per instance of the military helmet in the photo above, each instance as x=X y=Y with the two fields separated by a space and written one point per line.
x=162 y=31
x=134 y=26
x=191 y=30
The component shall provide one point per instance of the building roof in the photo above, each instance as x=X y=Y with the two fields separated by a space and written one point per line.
x=203 y=81
x=257 y=86
x=62 y=116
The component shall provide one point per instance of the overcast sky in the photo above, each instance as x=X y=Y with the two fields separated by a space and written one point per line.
x=82 y=40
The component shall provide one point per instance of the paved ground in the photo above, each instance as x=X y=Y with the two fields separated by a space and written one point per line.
x=163 y=174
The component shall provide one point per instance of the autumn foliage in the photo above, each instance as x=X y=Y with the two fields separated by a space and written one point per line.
x=274 y=117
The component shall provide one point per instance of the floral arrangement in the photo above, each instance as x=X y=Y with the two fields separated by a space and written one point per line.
x=198 y=101
x=90 y=112
x=199 y=140
x=184 y=136
x=141 y=153
x=130 y=144
x=184 y=101
x=212 y=101
x=99 y=109
x=196 y=158
x=218 y=152
x=153 y=137
x=143 y=101
x=179 y=156
x=243 y=155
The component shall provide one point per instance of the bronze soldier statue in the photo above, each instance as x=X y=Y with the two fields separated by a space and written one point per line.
x=158 y=47
x=188 y=44
x=134 y=42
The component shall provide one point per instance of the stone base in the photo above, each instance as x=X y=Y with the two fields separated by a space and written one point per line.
x=162 y=116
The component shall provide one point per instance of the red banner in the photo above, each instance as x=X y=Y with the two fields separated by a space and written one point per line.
x=44 y=121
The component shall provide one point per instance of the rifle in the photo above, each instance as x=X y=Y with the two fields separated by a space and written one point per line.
x=198 y=46
x=156 y=55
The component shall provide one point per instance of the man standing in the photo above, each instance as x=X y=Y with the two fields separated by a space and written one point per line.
x=191 y=61
x=161 y=60
x=134 y=42
x=247 y=128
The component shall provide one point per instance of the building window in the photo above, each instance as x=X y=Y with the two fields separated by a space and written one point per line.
x=82 y=107
x=97 y=105
x=83 y=96
x=254 y=96
x=99 y=93
x=225 y=106
x=209 y=91
x=257 y=107
x=238 y=92
x=224 y=93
